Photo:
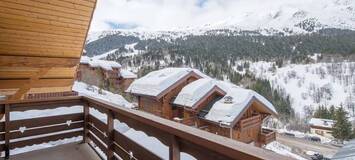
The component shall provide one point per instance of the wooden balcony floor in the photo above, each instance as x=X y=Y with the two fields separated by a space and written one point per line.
x=73 y=151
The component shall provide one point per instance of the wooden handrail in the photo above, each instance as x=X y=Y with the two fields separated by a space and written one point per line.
x=179 y=137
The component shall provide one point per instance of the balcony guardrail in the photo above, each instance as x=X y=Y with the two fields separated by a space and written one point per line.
x=178 y=137
x=267 y=135
x=250 y=122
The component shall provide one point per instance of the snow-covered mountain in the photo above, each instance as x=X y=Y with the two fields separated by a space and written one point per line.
x=310 y=85
x=261 y=17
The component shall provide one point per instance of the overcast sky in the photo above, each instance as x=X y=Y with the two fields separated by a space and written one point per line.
x=165 y=14
x=168 y=14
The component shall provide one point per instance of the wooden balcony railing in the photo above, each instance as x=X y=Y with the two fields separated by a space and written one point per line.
x=250 y=122
x=267 y=136
x=178 y=137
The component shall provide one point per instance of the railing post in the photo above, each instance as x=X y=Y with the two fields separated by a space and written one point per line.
x=7 y=131
x=110 y=135
x=86 y=121
x=174 y=149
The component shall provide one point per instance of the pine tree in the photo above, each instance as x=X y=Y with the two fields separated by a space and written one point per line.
x=342 y=127
x=332 y=112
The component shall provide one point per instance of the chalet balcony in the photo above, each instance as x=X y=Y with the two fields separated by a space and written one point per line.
x=100 y=139
x=250 y=122
x=267 y=136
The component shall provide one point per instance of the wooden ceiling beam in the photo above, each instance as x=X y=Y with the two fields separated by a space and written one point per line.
x=41 y=83
x=37 y=62
x=27 y=86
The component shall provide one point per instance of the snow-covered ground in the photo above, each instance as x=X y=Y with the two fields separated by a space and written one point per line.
x=310 y=84
x=131 y=51
x=93 y=91
x=282 y=149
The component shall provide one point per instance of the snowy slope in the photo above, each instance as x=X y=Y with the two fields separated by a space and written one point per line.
x=310 y=84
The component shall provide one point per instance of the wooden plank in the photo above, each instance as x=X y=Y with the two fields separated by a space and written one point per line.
x=137 y=150
x=25 y=73
x=23 y=42
x=98 y=143
x=7 y=131
x=41 y=16
x=37 y=52
x=27 y=142
x=110 y=135
x=59 y=101
x=55 y=8
x=43 y=11
x=45 y=121
x=5 y=84
x=122 y=153
x=45 y=130
x=43 y=106
x=86 y=122
x=37 y=62
x=95 y=106
x=100 y=135
x=39 y=48
x=2 y=126
x=67 y=5
x=38 y=36
x=2 y=136
x=82 y=2
x=97 y=123
x=32 y=19
x=174 y=149
x=36 y=27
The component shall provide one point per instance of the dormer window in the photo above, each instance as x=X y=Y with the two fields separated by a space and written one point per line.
x=228 y=99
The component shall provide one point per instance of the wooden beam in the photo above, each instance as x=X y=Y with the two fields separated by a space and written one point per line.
x=174 y=149
x=27 y=72
x=42 y=83
x=37 y=62
x=27 y=86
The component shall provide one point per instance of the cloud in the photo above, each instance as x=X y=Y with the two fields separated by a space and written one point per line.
x=151 y=14
x=175 y=14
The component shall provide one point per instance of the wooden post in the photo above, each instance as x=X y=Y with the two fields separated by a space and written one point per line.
x=110 y=134
x=7 y=131
x=174 y=149
x=86 y=121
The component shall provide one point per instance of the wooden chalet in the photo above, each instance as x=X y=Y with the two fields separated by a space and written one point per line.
x=157 y=90
x=323 y=127
x=218 y=107
x=41 y=42
x=97 y=72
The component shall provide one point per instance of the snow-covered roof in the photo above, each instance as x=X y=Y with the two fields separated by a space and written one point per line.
x=106 y=65
x=239 y=99
x=319 y=122
x=221 y=111
x=195 y=91
x=127 y=74
x=158 y=81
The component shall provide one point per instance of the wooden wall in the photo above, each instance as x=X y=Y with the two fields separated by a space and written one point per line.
x=41 y=42
x=162 y=107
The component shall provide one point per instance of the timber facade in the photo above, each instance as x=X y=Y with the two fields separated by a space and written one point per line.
x=100 y=76
x=161 y=104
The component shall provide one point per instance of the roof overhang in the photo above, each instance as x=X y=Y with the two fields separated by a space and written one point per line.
x=41 y=44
